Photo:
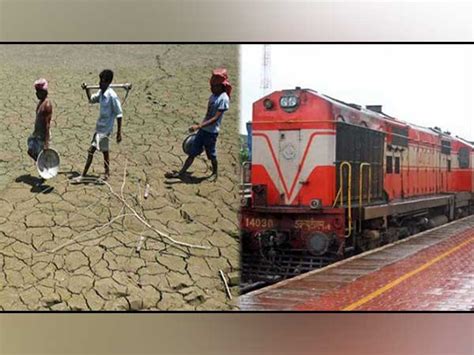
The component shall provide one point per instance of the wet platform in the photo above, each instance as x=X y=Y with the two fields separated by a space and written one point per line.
x=433 y=270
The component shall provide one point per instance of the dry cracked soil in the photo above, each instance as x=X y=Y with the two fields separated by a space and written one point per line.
x=67 y=246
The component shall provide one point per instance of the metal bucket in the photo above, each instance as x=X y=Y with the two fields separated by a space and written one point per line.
x=188 y=144
x=48 y=163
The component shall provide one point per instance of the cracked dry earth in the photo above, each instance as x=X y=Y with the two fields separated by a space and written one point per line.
x=74 y=247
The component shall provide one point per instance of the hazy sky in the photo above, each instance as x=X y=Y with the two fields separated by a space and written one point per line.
x=429 y=85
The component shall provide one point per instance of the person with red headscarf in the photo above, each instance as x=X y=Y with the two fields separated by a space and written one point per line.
x=208 y=129
x=40 y=137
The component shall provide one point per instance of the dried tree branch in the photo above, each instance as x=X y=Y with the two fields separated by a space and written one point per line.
x=72 y=241
x=142 y=220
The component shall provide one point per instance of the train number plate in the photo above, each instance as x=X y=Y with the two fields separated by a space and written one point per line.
x=252 y=222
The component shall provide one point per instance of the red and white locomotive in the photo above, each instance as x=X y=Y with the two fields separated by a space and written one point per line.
x=329 y=179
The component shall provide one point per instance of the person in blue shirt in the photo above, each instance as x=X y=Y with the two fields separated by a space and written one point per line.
x=110 y=109
x=208 y=129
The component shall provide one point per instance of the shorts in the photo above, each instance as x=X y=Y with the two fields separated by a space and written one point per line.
x=35 y=146
x=205 y=141
x=100 y=141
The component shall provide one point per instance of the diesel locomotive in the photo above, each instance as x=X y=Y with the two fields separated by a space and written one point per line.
x=328 y=179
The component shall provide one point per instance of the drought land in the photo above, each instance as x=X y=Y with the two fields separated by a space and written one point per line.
x=67 y=246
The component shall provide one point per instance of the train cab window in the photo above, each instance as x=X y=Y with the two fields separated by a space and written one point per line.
x=446 y=147
x=397 y=165
x=389 y=164
x=449 y=165
x=463 y=157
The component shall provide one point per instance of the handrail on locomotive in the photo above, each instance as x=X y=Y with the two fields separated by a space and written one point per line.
x=245 y=185
x=340 y=193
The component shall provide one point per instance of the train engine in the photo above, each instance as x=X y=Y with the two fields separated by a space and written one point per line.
x=328 y=179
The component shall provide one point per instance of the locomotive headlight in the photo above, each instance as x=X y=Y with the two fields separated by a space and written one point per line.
x=292 y=101
x=288 y=102
x=318 y=243
x=268 y=104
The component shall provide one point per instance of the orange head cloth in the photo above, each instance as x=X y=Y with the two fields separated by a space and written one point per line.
x=219 y=76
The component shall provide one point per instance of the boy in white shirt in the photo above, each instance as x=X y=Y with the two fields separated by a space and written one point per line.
x=110 y=109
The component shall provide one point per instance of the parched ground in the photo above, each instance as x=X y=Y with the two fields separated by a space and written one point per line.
x=74 y=247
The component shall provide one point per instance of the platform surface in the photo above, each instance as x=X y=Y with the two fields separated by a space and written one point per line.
x=431 y=271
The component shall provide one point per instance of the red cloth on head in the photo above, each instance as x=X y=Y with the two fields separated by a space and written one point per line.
x=219 y=76
x=41 y=84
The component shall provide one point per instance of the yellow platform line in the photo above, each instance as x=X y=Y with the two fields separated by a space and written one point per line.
x=392 y=284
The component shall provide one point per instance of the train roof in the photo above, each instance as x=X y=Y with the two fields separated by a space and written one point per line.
x=469 y=143
x=390 y=119
x=359 y=108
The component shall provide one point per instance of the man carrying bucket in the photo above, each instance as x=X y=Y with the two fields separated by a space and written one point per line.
x=39 y=139
x=110 y=109
x=208 y=130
